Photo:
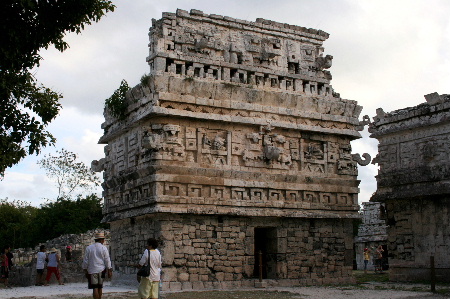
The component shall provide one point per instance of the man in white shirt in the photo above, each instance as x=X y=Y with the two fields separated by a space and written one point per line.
x=40 y=265
x=149 y=286
x=96 y=260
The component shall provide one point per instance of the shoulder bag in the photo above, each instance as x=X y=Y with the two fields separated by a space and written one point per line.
x=144 y=271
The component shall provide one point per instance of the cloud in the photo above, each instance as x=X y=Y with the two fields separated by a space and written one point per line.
x=386 y=54
x=75 y=131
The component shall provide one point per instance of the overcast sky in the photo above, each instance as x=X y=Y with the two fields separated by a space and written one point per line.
x=387 y=53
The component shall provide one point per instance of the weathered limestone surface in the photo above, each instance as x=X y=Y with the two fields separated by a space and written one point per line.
x=236 y=130
x=413 y=185
x=206 y=251
x=371 y=232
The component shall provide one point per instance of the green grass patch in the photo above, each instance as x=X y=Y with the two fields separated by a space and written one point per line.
x=362 y=277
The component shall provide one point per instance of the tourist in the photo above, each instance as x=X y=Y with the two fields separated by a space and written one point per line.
x=69 y=253
x=4 y=270
x=149 y=286
x=53 y=266
x=10 y=256
x=41 y=258
x=96 y=263
x=366 y=254
x=379 y=259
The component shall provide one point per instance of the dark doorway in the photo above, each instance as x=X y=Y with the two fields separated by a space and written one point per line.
x=266 y=252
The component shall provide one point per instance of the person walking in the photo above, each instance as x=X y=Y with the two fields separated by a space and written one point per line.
x=149 y=286
x=10 y=256
x=41 y=257
x=4 y=270
x=379 y=259
x=96 y=263
x=53 y=266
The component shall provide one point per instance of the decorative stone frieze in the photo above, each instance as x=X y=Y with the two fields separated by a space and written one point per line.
x=237 y=124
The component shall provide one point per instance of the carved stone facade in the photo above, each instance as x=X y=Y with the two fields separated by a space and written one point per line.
x=235 y=144
x=371 y=232
x=413 y=176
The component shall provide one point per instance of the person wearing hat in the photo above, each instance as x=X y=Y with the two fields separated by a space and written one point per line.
x=96 y=260
x=53 y=266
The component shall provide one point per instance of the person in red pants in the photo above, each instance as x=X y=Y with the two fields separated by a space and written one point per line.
x=52 y=266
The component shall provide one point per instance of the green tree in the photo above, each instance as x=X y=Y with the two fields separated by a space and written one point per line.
x=16 y=222
x=116 y=103
x=69 y=174
x=27 y=107
x=66 y=216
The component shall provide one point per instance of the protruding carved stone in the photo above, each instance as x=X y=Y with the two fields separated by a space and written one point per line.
x=380 y=114
x=98 y=166
x=357 y=158
x=324 y=62
x=363 y=123
x=433 y=98
x=272 y=152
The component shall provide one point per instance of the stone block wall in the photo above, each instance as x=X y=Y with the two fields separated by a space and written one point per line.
x=204 y=252
x=418 y=230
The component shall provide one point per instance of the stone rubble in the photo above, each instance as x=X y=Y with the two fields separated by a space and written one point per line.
x=24 y=270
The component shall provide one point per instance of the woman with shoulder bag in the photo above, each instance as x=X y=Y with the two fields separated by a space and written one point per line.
x=150 y=273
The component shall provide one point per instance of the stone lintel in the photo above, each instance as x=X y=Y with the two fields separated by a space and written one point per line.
x=231 y=211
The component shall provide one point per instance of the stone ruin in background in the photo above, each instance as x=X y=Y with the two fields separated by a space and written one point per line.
x=235 y=148
x=413 y=185
x=371 y=233
x=24 y=270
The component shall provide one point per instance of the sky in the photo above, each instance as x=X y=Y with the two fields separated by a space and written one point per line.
x=387 y=53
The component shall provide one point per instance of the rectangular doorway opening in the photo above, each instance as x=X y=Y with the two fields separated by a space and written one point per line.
x=266 y=252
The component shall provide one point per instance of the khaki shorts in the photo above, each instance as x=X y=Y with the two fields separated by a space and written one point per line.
x=95 y=281
x=148 y=289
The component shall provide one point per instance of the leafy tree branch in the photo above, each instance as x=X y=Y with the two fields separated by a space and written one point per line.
x=27 y=107
x=69 y=174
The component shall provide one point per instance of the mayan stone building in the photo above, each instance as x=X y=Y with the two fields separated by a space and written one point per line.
x=413 y=185
x=372 y=232
x=235 y=147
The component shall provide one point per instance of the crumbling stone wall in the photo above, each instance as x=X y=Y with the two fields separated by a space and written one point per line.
x=237 y=119
x=412 y=184
x=24 y=272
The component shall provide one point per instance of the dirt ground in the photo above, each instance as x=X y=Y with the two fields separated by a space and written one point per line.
x=368 y=286
x=287 y=293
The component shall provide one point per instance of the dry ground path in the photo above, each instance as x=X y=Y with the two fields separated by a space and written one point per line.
x=368 y=287
x=369 y=291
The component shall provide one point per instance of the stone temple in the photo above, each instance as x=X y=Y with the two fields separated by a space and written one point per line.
x=413 y=184
x=372 y=232
x=235 y=153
